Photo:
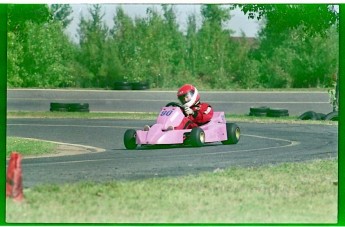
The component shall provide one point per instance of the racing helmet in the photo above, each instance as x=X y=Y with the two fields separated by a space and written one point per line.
x=188 y=95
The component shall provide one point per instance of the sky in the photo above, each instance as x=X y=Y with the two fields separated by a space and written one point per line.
x=239 y=22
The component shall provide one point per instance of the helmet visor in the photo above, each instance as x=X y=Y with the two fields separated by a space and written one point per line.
x=186 y=97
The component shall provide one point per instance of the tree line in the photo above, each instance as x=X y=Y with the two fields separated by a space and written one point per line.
x=297 y=46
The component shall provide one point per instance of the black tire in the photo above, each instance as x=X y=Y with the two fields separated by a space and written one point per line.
x=140 y=86
x=79 y=107
x=309 y=115
x=78 y=110
x=259 y=111
x=257 y=114
x=122 y=85
x=70 y=107
x=59 y=110
x=332 y=116
x=233 y=132
x=129 y=139
x=56 y=105
x=321 y=116
x=197 y=137
x=278 y=113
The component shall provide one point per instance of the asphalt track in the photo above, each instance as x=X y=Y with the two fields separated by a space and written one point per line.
x=260 y=144
x=235 y=102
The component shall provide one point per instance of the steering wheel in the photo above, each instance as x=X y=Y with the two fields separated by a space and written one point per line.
x=174 y=104
x=177 y=105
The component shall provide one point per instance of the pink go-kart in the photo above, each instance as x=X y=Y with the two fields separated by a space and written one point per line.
x=162 y=132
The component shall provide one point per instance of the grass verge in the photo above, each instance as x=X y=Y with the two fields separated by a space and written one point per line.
x=29 y=147
x=285 y=193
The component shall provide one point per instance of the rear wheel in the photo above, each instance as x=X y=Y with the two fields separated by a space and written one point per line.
x=233 y=132
x=197 y=137
x=129 y=139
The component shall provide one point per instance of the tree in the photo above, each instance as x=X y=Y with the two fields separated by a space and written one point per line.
x=191 y=55
x=95 y=50
x=15 y=59
x=62 y=13
x=125 y=40
x=279 y=19
x=19 y=14
x=316 y=18
x=48 y=55
x=292 y=41
x=39 y=53
x=214 y=45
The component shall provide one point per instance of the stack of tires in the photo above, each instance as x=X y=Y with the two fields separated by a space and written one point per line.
x=311 y=115
x=124 y=85
x=259 y=111
x=69 y=107
x=264 y=111
x=276 y=112
x=140 y=86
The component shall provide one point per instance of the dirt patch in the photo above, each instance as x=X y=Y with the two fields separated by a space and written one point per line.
x=63 y=149
x=68 y=149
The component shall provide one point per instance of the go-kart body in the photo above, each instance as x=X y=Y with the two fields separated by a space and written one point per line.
x=170 y=116
x=215 y=130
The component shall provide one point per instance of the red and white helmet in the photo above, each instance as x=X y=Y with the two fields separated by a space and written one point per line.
x=188 y=95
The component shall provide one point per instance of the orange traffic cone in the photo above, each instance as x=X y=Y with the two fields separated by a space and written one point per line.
x=14 y=184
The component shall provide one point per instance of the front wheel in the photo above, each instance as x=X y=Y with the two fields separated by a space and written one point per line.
x=233 y=133
x=197 y=137
x=129 y=139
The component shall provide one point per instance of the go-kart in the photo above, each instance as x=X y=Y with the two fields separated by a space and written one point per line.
x=170 y=116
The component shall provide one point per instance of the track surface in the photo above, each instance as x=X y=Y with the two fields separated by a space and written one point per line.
x=238 y=102
x=260 y=144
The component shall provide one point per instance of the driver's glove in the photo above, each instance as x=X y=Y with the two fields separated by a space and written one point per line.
x=188 y=111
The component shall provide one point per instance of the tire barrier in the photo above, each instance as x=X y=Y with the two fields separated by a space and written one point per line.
x=124 y=85
x=265 y=111
x=278 y=113
x=259 y=111
x=69 y=107
x=309 y=115
x=332 y=116
x=140 y=86
x=321 y=116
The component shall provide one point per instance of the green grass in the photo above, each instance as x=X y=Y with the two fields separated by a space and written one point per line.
x=83 y=115
x=285 y=193
x=29 y=147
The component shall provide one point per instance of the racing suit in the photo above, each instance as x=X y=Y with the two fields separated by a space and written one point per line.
x=203 y=113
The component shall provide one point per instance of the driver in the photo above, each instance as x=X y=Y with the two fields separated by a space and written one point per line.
x=197 y=113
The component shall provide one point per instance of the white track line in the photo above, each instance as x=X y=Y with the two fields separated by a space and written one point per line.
x=80 y=126
x=291 y=143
